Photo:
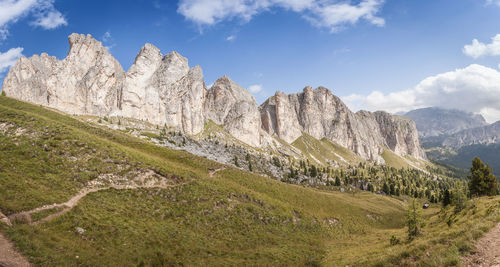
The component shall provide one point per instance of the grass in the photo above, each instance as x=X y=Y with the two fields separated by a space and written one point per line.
x=393 y=160
x=233 y=218
x=324 y=151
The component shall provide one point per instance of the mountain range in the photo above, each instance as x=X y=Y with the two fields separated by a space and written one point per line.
x=165 y=91
x=455 y=137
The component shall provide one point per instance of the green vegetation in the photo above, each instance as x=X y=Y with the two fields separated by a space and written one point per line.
x=413 y=220
x=482 y=182
x=232 y=218
x=322 y=152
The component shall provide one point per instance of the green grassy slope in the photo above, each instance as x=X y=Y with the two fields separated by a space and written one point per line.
x=323 y=151
x=232 y=218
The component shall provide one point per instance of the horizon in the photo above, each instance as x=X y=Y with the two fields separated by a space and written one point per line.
x=257 y=45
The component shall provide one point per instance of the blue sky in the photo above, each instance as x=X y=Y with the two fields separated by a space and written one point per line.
x=393 y=55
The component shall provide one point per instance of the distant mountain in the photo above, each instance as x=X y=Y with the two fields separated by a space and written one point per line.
x=486 y=135
x=437 y=121
x=459 y=148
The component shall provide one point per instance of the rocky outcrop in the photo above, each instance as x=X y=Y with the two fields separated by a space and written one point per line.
x=321 y=114
x=233 y=107
x=88 y=81
x=164 y=90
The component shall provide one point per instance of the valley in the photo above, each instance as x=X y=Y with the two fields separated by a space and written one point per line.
x=224 y=217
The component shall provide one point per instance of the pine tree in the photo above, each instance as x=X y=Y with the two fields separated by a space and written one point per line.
x=337 y=181
x=385 y=189
x=446 y=198
x=481 y=181
x=414 y=220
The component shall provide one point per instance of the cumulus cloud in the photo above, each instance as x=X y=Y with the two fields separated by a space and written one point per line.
x=46 y=16
x=496 y=2
x=9 y=58
x=255 y=88
x=50 y=20
x=478 y=49
x=330 y=14
x=475 y=89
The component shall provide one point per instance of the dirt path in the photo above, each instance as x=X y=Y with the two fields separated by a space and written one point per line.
x=212 y=172
x=9 y=255
x=65 y=207
x=487 y=250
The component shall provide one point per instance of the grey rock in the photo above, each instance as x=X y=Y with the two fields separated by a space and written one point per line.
x=165 y=91
x=233 y=107
x=321 y=114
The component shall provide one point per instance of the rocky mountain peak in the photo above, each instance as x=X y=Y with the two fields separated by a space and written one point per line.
x=319 y=113
x=165 y=91
x=235 y=108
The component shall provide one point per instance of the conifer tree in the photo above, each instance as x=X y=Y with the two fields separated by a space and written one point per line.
x=481 y=181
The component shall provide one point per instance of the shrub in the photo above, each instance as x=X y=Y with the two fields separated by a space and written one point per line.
x=394 y=240
x=459 y=201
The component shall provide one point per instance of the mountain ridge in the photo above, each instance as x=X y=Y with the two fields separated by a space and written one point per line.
x=164 y=90
x=434 y=121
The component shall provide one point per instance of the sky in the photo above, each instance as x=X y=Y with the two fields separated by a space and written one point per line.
x=392 y=55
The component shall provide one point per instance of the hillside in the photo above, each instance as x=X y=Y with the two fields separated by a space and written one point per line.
x=144 y=204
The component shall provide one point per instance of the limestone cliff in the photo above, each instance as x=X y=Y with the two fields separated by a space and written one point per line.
x=235 y=108
x=321 y=114
x=164 y=90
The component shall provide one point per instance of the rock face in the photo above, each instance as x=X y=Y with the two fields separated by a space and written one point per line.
x=322 y=115
x=485 y=135
x=165 y=91
x=436 y=121
x=235 y=108
x=88 y=81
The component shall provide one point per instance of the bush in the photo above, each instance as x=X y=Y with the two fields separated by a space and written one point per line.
x=394 y=240
x=3 y=93
x=459 y=201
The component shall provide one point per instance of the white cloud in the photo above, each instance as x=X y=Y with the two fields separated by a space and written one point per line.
x=336 y=16
x=9 y=58
x=255 y=88
x=106 y=36
x=478 y=49
x=50 y=20
x=44 y=11
x=331 y=14
x=496 y=2
x=107 y=40
x=230 y=38
x=475 y=89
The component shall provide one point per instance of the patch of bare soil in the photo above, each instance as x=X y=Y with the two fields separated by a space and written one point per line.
x=212 y=172
x=487 y=252
x=9 y=257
